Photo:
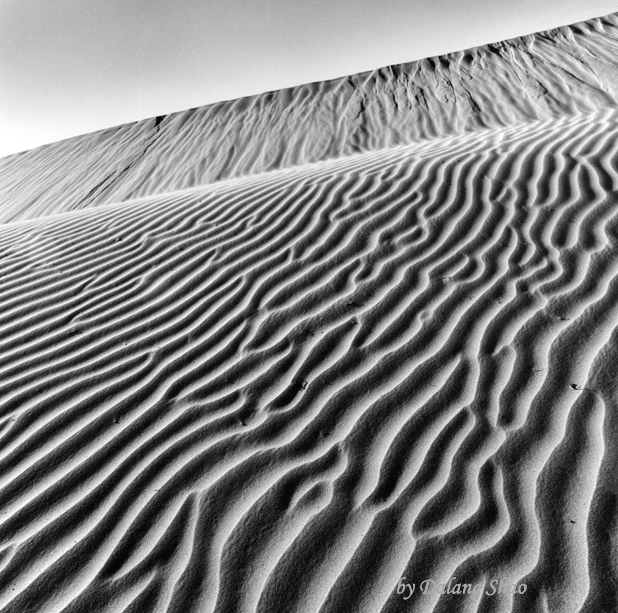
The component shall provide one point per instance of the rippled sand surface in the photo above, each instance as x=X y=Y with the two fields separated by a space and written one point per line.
x=275 y=354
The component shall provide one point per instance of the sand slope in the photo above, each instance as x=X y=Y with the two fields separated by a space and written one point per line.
x=561 y=72
x=284 y=391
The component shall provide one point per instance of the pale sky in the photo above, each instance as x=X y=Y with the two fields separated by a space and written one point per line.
x=70 y=67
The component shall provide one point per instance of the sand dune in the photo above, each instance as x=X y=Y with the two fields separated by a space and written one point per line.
x=295 y=359
x=562 y=72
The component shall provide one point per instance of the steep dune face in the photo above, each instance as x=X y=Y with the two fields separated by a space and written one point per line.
x=566 y=71
x=300 y=390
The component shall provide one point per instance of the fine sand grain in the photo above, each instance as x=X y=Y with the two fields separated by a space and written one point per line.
x=275 y=354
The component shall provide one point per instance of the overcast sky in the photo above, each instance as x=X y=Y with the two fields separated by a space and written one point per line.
x=69 y=67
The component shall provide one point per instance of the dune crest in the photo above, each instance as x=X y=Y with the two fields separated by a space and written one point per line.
x=561 y=72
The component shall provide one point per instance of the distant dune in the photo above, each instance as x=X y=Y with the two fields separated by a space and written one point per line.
x=563 y=72
x=322 y=349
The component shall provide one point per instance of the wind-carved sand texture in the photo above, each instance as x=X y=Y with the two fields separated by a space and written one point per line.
x=276 y=354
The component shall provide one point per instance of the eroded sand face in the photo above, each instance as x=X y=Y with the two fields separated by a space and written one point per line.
x=239 y=380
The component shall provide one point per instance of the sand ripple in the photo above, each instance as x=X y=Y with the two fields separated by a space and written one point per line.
x=283 y=392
